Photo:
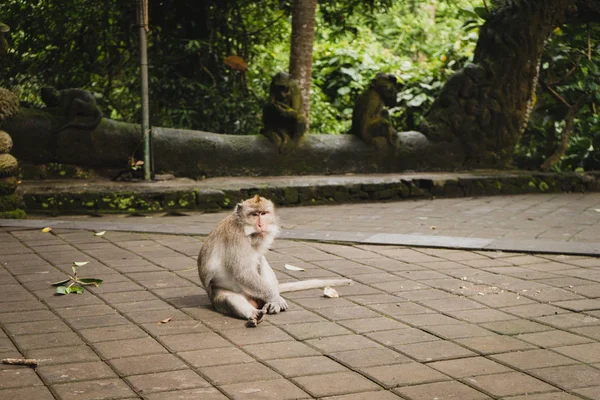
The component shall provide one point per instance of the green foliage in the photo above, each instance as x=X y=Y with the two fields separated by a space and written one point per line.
x=569 y=73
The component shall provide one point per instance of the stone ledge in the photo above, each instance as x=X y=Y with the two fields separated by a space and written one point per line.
x=106 y=196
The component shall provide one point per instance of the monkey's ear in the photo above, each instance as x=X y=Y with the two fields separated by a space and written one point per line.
x=238 y=208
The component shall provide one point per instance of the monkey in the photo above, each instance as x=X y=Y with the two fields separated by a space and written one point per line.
x=234 y=271
x=283 y=115
x=370 y=118
x=78 y=105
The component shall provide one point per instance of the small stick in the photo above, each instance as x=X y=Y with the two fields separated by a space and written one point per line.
x=30 y=362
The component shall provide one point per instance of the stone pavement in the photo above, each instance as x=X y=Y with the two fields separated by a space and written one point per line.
x=418 y=323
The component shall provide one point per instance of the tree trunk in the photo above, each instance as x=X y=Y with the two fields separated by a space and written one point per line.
x=486 y=105
x=303 y=35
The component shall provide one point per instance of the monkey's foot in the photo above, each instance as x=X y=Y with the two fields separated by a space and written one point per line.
x=256 y=319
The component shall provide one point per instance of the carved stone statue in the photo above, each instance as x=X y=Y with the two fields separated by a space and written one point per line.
x=370 y=118
x=283 y=119
x=77 y=105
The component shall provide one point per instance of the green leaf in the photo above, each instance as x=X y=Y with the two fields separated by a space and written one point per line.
x=59 y=283
x=74 y=269
x=75 y=289
x=62 y=290
x=482 y=12
x=80 y=263
x=91 y=280
x=343 y=90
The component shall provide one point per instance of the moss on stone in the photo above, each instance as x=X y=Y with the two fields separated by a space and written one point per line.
x=14 y=214
x=8 y=185
x=10 y=202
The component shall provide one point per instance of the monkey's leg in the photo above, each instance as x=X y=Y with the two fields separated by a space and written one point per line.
x=269 y=276
x=237 y=305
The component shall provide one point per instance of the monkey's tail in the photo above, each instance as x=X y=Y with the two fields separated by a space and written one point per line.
x=312 y=284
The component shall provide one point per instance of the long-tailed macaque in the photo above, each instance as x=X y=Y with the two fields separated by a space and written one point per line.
x=234 y=271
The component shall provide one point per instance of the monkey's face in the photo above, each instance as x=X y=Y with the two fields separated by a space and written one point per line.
x=258 y=216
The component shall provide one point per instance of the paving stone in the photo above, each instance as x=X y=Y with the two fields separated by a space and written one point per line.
x=164 y=381
x=587 y=353
x=453 y=304
x=579 y=305
x=441 y=391
x=530 y=359
x=569 y=376
x=278 y=389
x=47 y=340
x=546 y=396
x=290 y=349
x=553 y=295
x=379 y=395
x=146 y=364
x=28 y=316
x=119 y=332
x=145 y=305
x=480 y=316
x=193 y=341
x=99 y=389
x=235 y=373
x=391 y=376
x=589 y=331
x=292 y=367
x=591 y=392
x=267 y=334
x=465 y=367
x=494 y=344
x=334 y=383
x=569 y=320
x=84 y=311
x=401 y=337
x=218 y=356
x=534 y=310
x=128 y=348
x=341 y=343
x=17 y=377
x=372 y=324
x=369 y=357
x=97 y=321
x=458 y=330
x=509 y=384
x=342 y=313
x=157 y=316
x=424 y=294
x=188 y=394
x=17 y=306
x=315 y=329
x=54 y=374
x=423 y=320
x=515 y=327
x=323 y=302
x=553 y=338
x=63 y=355
x=29 y=328
x=35 y=392
x=294 y=317
x=400 y=309
x=434 y=351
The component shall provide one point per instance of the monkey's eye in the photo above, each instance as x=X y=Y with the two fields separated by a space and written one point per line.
x=264 y=212
x=254 y=214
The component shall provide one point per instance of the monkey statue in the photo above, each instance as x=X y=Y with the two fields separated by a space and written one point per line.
x=370 y=118
x=283 y=116
x=77 y=105
x=233 y=268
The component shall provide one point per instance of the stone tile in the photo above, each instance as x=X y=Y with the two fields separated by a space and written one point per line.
x=315 y=330
x=294 y=317
x=481 y=316
x=63 y=355
x=317 y=365
x=270 y=351
x=128 y=348
x=424 y=320
x=176 y=327
x=401 y=308
x=401 y=337
x=193 y=341
x=163 y=381
x=551 y=294
x=589 y=331
x=85 y=311
x=372 y=324
x=579 y=305
x=441 y=391
x=334 y=384
x=323 y=302
x=34 y=392
x=391 y=376
x=452 y=304
x=188 y=394
x=218 y=356
x=424 y=294
x=553 y=338
x=494 y=344
x=54 y=374
x=266 y=334
x=505 y=299
x=534 y=310
x=100 y=389
x=47 y=340
x=465 y=367
x=341 y=343
x=360 y=358
x=434 y=351
x=236 y=373
x=17 y=377
x=509 y=384
x=97 y=321
x=458 y=330
x=569 y=320
x=530 y=359
x=341 y=313
x=17 y=306
x=515 y=327
x=108 y=333
x=591 y=392
x=27 y=316
x=149 y=305
x=570 y=376
x=146 y=364
x=546 y=396
x=278 y=389
x=587 y=353
x=379 y=395
x=38 y=327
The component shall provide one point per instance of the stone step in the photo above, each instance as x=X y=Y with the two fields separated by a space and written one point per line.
x=101 y=195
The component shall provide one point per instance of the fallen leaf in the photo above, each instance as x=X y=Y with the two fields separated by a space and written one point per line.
x=293 y=268
x=164 y=321
x=47 y=229
x=330 y=292
x=99 y=233
x=597 y=209
x=80 y=263
x=433 y=227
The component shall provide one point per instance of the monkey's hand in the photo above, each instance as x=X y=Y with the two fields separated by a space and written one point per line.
x=276 y=306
